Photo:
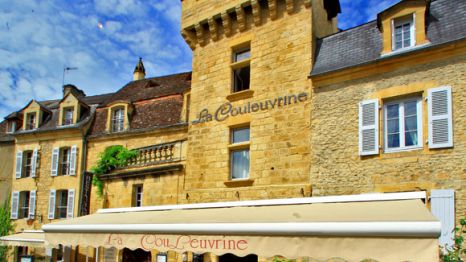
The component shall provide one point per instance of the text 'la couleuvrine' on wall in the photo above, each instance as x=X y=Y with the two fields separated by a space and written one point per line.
x=227 y=110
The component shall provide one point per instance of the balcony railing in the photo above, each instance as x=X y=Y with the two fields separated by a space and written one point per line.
x=156 y=155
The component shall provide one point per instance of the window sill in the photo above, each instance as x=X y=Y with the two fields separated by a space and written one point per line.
x=389 y=151
x=245 y=94
x=241 y=64
x=405 y=50
x=239 y=183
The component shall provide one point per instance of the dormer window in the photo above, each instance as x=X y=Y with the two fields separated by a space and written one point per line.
x=403 y=32
x=11 y=127
x=118 y=119
x=68 y=116
x=31 y=119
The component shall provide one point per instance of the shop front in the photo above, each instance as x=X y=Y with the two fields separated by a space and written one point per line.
x=381 y=227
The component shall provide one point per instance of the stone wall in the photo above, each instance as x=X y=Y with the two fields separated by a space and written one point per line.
x=338 y=169
x=157 y=189
x=6 y=170
x=281 y=57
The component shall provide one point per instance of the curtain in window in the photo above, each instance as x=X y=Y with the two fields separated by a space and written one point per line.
x=240 y=164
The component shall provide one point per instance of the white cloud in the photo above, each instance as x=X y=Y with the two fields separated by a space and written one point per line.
x=38 y=38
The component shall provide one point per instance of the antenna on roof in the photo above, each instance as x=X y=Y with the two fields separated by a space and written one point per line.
x=65 y=68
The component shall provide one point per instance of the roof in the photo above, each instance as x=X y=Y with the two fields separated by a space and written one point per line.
x=363 y=44
x=150 y=88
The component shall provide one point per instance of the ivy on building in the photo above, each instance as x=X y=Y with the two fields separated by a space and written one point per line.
x=110 y=159
x=5 y=227
x=457 y=252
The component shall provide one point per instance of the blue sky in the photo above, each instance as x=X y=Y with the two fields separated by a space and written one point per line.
x=103 y=39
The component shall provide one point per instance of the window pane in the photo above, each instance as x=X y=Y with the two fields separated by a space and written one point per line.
x=240 y=164
x=410 y=108
x=392 y=111
x=242 y=55
x=411 y=123
x=393 y=126
x=411 y=138
x=240 y=135
x=241 y=78
x=393 y=140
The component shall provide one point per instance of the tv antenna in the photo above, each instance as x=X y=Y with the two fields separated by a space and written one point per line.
x=65 y=69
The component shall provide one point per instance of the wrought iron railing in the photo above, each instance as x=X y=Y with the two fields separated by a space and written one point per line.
x=155 y=155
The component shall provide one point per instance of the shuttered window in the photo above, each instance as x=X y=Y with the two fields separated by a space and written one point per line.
x=70 y=204
x=52 y=198
x=34 y=163
x=369 y=127
x=443 y=208
x=24 y=198
x=73 y=158
x=54 y=164
x=440 y=117
x=19 y=164
x=14 y=205
x=32 y=204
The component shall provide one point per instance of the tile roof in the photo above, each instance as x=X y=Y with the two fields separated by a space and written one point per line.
x=446 y=22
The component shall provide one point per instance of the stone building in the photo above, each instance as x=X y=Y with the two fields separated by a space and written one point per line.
x=288 y=138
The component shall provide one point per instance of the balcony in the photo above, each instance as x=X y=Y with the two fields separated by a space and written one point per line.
x=152 y=160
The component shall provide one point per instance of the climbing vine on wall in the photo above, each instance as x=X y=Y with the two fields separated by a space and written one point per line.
x=110 y=159
x=5 y=227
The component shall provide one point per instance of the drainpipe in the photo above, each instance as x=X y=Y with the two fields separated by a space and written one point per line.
x=83 y=173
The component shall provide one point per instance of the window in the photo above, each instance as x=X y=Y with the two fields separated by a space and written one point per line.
x=403 y=32
x=11 y=127
x=68 y=116
x=118 y=119
x=137 y=195
x=31 y=121
x=65 y=157
x=239 y=153
x=27 y=167
x=241 y=69
x=403 y=124
x=24 y=204
x=62 y=203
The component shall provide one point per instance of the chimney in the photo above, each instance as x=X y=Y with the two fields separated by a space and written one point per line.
x=139 y=72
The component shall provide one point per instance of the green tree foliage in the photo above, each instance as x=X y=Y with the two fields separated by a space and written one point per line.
x=112 y=158
x=457 y=252
x=5 y=228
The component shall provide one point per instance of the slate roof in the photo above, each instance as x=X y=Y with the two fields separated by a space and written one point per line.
x=446 y=22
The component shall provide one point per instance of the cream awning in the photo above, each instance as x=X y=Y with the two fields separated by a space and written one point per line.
x=400 y=230
x=26 y=238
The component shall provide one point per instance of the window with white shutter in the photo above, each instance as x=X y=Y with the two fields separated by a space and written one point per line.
x=443 y=208
x=52 y=198
x=19 y=164
x=70 y=208
x=369 y=127
x=74 y=150
x=34 y=163
x=440 y=117
x=14 y=205
x=32 y=204
x=54 y=167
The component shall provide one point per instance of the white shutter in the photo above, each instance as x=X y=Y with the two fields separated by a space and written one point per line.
x=52 y=198
x=393 y=35
x=369 y=127
x=14 y=205
x=70 y=208
x=440 y=117
x=19 y=164
x=74 y=150
x=54 y=167
x=443 y=207
x=34 y=163
x=32 y=204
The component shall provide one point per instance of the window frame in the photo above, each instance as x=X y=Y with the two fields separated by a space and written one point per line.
x=401 y=124
x=29 y=125
x=240 y=64
x=60 y=195
x=120 y=119
x=65 y=120
x=23 y=205
x=240 y=146
x=28 y=156
x=11 y=127
x=136 y=193
x=62 y=163
x=401 y=21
